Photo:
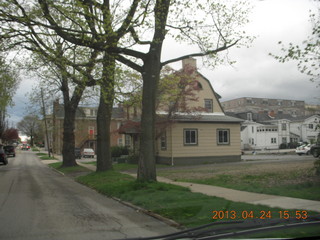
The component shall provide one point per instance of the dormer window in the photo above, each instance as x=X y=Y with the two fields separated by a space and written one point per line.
x=208 y=105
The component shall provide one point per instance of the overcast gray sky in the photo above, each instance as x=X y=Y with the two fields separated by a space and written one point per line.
x=256 y=74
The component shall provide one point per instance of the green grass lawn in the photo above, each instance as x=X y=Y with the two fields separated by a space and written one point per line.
x=289 y=185
x=295 y=179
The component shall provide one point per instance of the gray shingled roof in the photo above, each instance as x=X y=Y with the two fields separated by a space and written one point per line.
x=207 y=118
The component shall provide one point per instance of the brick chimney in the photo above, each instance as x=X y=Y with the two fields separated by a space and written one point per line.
x=189 y=64
x=272 y=114
x=56 y=105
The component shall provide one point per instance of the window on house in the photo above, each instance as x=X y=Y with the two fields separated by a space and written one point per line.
x=199 y=86
x=120 y=142
x=127 y=140
x=163 y=141
x=208 y=105
x=190 y=136
x=284 y=140
x=310 y=126
x=249 y=116
x=284 y=126
x=252 y=129
x=273 y=140
x=223 y=136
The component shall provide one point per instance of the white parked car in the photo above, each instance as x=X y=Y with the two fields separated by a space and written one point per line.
x=88 y=152
x=303 y=149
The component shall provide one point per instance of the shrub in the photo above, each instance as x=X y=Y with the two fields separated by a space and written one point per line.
x=283 y=146
x=133 y=158
x=117 y=151
x=293 y=145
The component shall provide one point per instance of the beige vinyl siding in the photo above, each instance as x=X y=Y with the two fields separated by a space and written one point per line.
x=207 y=140
x=205 y=93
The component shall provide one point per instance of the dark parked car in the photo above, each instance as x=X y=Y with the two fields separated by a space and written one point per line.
x=77 y=153
x=10 y=150
x=315 y=150
x=3 y=156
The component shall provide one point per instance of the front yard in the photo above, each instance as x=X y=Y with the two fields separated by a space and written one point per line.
x=291 y=179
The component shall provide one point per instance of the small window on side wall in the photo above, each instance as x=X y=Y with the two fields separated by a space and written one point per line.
x=223 y=136
x=190 y=137
x=163 y=141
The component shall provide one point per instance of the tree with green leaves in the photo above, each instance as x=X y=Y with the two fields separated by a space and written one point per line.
x=134 y=35
x=65 y=67
x=212 y=26
x=8 y=85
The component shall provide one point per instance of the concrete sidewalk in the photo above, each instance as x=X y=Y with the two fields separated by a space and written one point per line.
x=240 y=196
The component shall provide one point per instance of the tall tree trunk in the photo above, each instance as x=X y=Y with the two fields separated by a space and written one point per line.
x=68 y=145
x=151 y=76
x=70 y=108
x=104 y=160
x=147 y=158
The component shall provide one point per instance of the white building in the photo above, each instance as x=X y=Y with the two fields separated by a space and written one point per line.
x=307 y=129
x=263 y=131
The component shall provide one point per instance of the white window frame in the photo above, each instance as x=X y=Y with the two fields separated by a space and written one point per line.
x=190 y=141
x=224 y=135
x=208 y=104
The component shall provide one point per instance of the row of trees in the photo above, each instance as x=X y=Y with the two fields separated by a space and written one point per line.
x=85 y=43
x=8 y=84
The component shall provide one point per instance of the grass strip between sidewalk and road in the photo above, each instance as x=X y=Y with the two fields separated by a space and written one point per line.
x=45 y=156
x=67 y=170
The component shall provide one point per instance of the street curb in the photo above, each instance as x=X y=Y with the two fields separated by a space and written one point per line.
x=167 y=221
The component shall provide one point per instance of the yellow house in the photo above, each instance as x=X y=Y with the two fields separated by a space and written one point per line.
x=205 y=136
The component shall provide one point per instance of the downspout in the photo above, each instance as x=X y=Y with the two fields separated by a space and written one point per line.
x=172 y=161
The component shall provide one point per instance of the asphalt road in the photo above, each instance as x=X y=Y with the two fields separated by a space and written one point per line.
x=39 y=203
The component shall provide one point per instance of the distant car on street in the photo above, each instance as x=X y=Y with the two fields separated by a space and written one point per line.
x=88 y=152
x=3 y=156
x=25 y=147
x=10 y=150
x=315 y=150
x=303 y=149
